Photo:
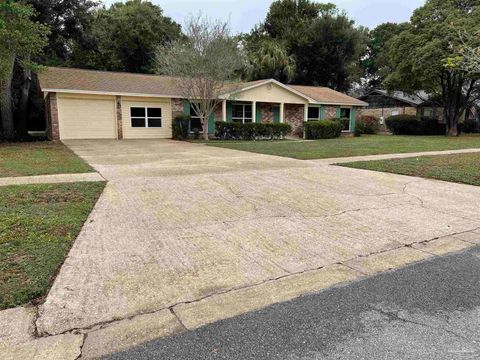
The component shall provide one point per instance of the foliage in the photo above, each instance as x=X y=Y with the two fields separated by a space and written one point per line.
x=411 y=125
x=207 y=61
x=375 y=59
x=68 y=22
x=251 y=131
x=180 y=127
x=359 y=128
x=323 y=41
x=434 y=63
x=39 y=224
x=371 y=124
x=471 y=126
x=21 y=39
x=344 y=121
x=266 y=58
x=323 y=129
x=124 y=37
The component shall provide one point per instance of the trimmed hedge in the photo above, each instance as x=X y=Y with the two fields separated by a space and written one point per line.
x=250 y=131
x=370 y=123
x=180 y=127
x=323 y=129
x=411 y=125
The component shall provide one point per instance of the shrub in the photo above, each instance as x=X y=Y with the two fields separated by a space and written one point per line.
x=371 y=124
x=180 y=127
x=323 y=129
x=403 y=124
x=344 y=121
x=470 y=126
x=250 y=131
x=431 y=126
x=360 y=128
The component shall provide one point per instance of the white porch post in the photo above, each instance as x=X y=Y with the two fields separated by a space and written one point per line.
x=254 y=111
x=305 y=112
x=282 y=111
x=224 y=110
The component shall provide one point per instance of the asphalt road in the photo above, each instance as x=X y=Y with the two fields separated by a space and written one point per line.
x=430 y=310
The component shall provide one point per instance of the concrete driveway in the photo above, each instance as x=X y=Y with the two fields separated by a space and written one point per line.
x=182 y=224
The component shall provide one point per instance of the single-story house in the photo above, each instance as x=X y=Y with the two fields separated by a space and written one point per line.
x=87 y=104
x=383 y=104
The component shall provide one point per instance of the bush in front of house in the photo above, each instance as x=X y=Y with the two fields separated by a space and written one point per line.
x=360 y=128
x=323 y=129
x=371 y=124
x=180 y=127
x=251 y=131
x=470 y=126
x=411 y=125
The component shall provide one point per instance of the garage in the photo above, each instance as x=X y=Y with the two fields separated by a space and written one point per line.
x=86 y=117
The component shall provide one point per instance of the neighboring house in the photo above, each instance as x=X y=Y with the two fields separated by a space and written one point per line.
x=383 y=104
x=86 y=104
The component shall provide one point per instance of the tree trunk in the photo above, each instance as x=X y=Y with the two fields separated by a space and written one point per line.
x=6 y=101
x=22 y=127
x=205 y=130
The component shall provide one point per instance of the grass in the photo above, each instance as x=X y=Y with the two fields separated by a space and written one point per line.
x=352 y=146
x=38 y=224
x=39 y=158
x=460 y=168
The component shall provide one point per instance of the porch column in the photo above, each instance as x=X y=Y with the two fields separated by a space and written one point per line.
x=254 y=111
x=224 y=110
x=282 y=110
x=305 y=112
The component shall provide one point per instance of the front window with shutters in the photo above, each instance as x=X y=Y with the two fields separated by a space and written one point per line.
x=146 y=117
x=242 y=113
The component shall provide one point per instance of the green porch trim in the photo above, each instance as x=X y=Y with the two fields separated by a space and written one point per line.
x=338 y=113
x=322 y=112
x=229 y=111
x=186 y=106
x=352 y=119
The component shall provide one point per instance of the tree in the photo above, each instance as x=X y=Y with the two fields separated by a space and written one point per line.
x=124 y=37
x=375 y=59
x=426 y=57
x=266 y=58
x=325 y=45
x=20 y=40
x=205 y=62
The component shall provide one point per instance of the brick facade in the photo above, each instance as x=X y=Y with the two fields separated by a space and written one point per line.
x=177 y=107
x=51 y=106
x=118 y=106
x=294 y=115
x=266 y=110
x=330 y=112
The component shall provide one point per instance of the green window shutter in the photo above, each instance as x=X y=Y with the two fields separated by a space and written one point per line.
x=186 y=106
x=258 y=116
x=339 y=112
x=211 y=123
x=276 y=114
x=322 y=112
x=229 y=111
x=352 y=120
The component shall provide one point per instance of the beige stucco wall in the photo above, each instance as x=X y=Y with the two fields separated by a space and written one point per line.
x=271 y=93
x=147 y=133
x=86 y=116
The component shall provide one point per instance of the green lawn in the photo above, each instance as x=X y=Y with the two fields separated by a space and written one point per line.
x=39 y=158
x=460 y=168
x=352 y=146
x=38 y=224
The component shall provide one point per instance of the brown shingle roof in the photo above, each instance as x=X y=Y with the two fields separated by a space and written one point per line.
x=326 y=95
x=57 y=78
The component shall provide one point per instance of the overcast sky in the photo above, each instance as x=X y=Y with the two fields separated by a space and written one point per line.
x=244 y=14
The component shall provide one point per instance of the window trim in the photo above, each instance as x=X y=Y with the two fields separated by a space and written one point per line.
x=349 y=118
x=243 y=118
x=146 y=117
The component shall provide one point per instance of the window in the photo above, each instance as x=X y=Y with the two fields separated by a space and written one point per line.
x=195 y=122
x=242 y=113
x=395 y=112
x=345 y=113
x=145 y=117
x=427 y=112
x=313 y=113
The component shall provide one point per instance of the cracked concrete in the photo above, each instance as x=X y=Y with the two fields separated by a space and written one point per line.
x=180 y=225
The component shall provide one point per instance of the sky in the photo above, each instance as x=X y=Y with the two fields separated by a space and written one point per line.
x=245 y=14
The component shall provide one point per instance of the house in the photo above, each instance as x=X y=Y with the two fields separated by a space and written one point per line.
x=87 y=104
x=383 y=104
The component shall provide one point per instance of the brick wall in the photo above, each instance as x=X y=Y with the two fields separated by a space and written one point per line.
x=52 y=117
x=294 y=115
x=330 y=112
x=177 y=107
x=387 y=112
x=267 y=112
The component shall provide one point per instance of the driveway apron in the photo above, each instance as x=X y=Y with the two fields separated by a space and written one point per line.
x=179 y=222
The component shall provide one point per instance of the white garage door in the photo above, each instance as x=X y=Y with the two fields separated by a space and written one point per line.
x=86 y=117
